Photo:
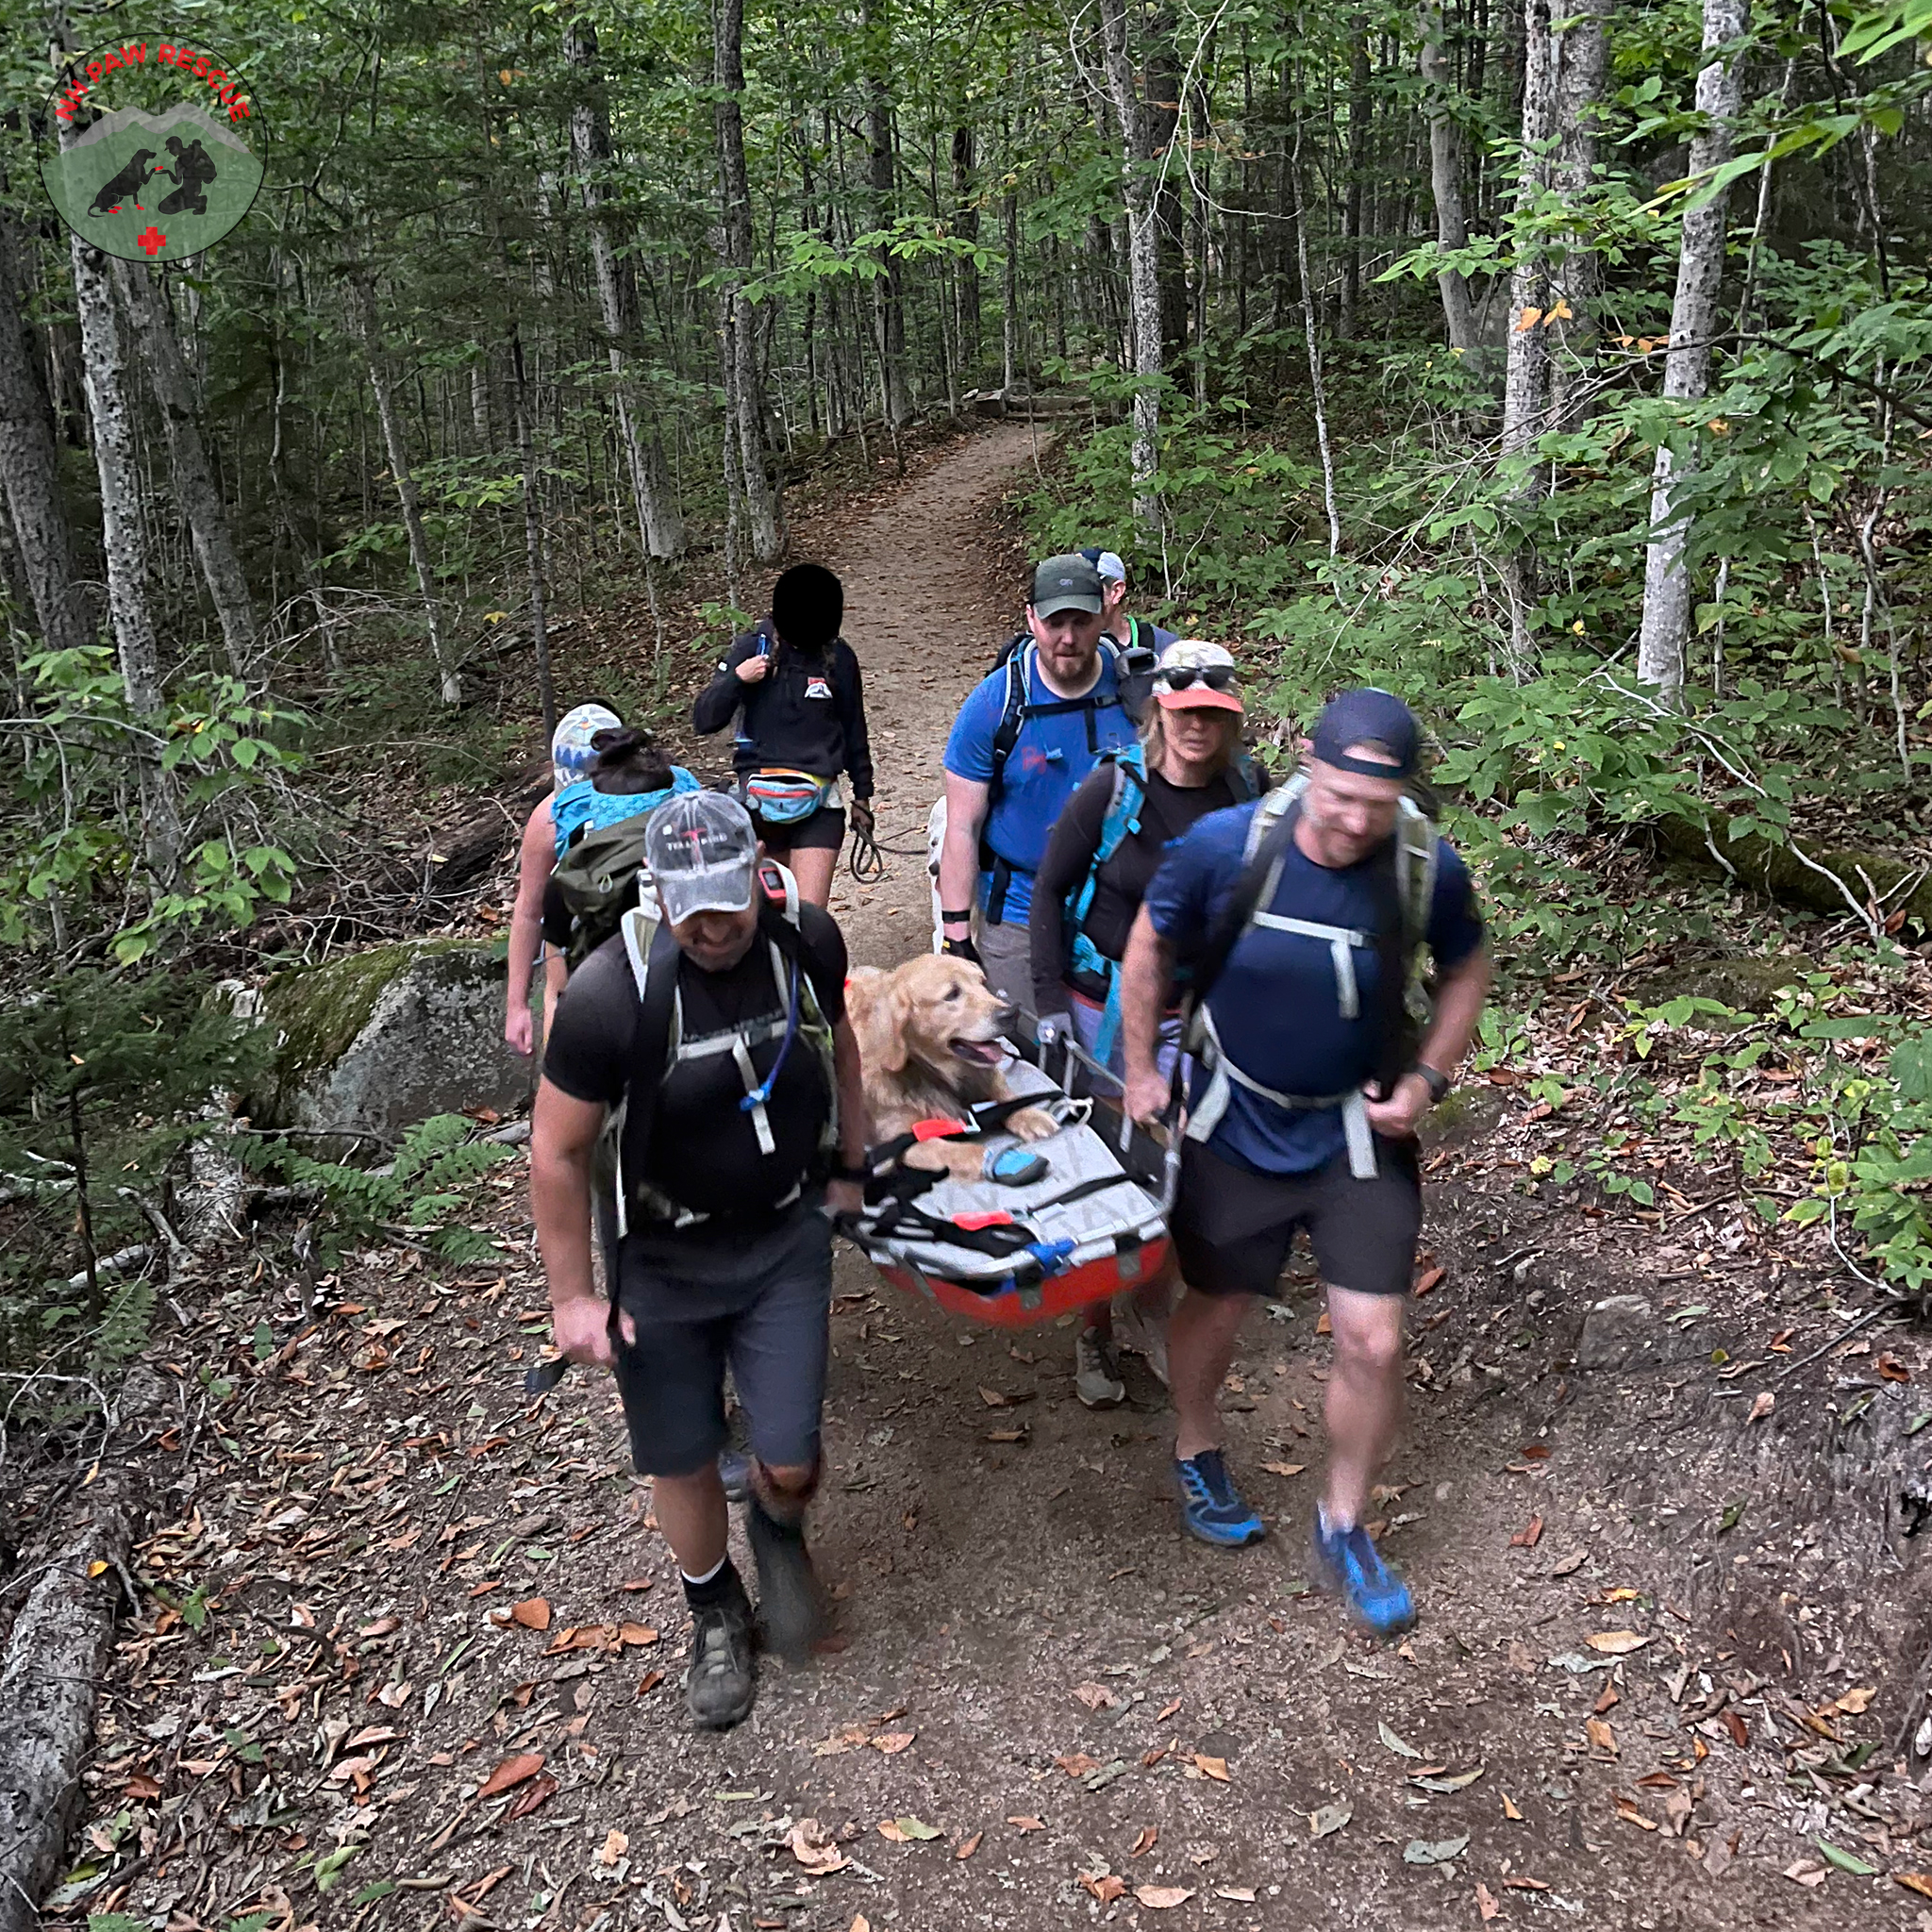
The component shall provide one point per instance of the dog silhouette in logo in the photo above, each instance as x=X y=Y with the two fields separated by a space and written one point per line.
x=193 y=170
x=121 y=187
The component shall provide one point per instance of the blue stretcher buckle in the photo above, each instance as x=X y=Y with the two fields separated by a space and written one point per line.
x=1052 y=1256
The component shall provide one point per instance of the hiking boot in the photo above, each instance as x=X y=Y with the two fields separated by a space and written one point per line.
x=791 y=1606
x=1135 y=1334
x=1349 y=1562
x=1211 y=1508
x=719 y=1686
x=1097 y=1371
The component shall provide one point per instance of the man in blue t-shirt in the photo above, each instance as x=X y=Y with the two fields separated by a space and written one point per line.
x=1002 y=800
x=1306 y=1092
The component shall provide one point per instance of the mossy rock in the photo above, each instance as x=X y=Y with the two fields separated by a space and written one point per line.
x=1750 y=985
x=373 y=1042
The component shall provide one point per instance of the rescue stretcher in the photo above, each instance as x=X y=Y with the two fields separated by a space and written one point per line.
x=1094 y=1224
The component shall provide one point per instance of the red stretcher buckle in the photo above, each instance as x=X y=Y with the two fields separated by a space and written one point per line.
x=996 y=1217
x=939 y=1128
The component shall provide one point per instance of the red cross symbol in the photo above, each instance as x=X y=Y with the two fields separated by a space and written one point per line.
x=151 y=240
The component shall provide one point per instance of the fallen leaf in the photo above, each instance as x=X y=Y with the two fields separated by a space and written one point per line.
x=1428 y=1281
x=1761 y=1406
x=1240 y=1894
x=1095 y=1696
x=993 y=1399
x=1167 y=1710
x=1026 y=1824
x=539 y=1791
x=1420 y=1851
x=1106 y=1889
x=1077 y=1764
x=1892 y=1370
x=1329 y=1819
x=1487 y=1903
x=1739 y=1730
x=1510 y=1810
x=1627 y=1809
x=967 y=1846
x=649 y=1681
x=1678 y=1809
x=1215 y=1768
x=1444 y=1786
x=859 y=1923
x=1396 y=1744
x=815 y=1848
x=1529 y=1536
x=614 y=1847
x=1570 y=1565
x=1163 y=1898
x=1284 y=1468
x=1144 y=1841
x=1616 y=1642
x=1856 y=1703
x=512 y=1771
x=383 y=1626
x=1523 y=1882
x=892 y=1742
x=141 y=1786
x=1920 y=1882
x=1806 y=1872
x=1846 y=1861
x=639 y=1636
x=1014 y=1434
x=1323 y=1326
x=1600 y=1735
x=533 y=1613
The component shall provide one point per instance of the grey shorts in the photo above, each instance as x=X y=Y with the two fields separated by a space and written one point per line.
x=1005 y=951
x=672 y=1378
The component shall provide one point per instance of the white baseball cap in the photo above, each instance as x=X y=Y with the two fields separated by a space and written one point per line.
x=703 y=853
x=1110 y=565
x=571 y=750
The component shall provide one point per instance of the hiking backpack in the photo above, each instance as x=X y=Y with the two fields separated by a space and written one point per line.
x=1122 y=821
x=601 y=872
x=662 y=1042
x=1405 y=879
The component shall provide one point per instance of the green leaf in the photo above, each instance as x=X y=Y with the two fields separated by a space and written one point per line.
x=1845 y=1860
x=328 y=1869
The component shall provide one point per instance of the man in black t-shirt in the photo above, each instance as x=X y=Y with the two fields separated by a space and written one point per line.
x=736 y=1145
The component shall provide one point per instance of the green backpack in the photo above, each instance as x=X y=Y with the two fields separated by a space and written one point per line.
x=600 y=879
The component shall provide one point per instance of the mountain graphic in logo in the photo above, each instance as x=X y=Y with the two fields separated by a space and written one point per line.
x=153 y=186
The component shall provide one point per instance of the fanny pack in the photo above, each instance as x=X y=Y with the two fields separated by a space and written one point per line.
x=781 y=796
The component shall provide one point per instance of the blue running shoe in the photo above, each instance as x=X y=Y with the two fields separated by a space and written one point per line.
x=1351 y=1564
x=1211 y=1508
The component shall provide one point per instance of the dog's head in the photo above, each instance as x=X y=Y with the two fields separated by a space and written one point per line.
x=939 y=1011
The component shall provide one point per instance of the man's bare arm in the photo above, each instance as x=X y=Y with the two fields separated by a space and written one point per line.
x=1146 y=972
x=966 y=804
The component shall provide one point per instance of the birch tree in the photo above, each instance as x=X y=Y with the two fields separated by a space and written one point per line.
x=1143 y=263
x=658 y=515
x=1687 y=362
x=1445 y=178
x=1575 y=273
x=737 y=328
x=29 y=474
x=202 y=508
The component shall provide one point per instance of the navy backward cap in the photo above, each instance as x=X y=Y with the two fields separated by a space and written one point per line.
x=1367 y=717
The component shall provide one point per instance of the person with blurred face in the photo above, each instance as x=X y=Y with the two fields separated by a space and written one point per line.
x=1011 y=767
x=720 y=1029
x=1303 y=1111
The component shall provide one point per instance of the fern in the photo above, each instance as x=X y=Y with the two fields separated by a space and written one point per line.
x=124 y=1325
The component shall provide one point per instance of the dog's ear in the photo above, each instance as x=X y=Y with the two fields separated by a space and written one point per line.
x=887 y=1049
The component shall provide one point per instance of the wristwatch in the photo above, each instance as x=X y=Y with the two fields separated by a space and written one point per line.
x=1438 y=1083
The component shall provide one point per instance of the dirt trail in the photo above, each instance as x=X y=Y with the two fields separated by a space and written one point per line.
x=1039 y=1678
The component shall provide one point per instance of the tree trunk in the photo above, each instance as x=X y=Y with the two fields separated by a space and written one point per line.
x=1687 y=362
x=1143 y=266
x=738 y=335
x=1577 y=274
x=29 y=473
x=1358 y=112
x=202 y=508
x=1445 y=178
x=533 y=538
x=408 y=496
x=1162 y=112
x=123 y=540
x=659 y=514
x=966 y=277
x=1526 y=372
x=889 y=292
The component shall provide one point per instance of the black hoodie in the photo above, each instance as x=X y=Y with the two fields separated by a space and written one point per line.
x=807 y=712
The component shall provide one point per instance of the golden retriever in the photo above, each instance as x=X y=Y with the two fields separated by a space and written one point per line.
x=929 y=1042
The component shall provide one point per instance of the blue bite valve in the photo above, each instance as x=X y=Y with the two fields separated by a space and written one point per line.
x=1013 y=1167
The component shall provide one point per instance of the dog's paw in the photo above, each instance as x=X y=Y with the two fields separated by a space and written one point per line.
x=1032 y=1123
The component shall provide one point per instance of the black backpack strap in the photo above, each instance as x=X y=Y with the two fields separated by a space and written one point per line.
x=1205 y=966
x=1394 y=952
x=650 y=1057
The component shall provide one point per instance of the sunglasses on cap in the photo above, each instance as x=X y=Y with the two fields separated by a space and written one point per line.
x=1180 y=676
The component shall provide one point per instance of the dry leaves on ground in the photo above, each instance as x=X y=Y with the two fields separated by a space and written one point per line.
x=512 y=1771
x=1163 y=1898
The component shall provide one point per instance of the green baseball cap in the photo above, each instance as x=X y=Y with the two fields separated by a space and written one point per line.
x=1065 y=583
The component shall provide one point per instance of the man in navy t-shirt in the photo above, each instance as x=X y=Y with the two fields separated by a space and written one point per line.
x=999 y=812
x=1304 y=1103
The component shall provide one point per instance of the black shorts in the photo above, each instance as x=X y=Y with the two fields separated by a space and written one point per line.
x=1233 y=1229
x=672 y=1378
x=823 y=831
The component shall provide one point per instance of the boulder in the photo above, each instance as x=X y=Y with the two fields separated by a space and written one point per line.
x=1624 y=1331
x=372 y=1043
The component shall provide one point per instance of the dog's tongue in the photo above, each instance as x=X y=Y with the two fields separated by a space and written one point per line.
x=985 y=1053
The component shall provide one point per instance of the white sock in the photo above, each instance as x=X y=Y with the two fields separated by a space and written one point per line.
x=700 y=1581
x=1329 y=1524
